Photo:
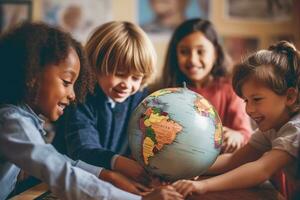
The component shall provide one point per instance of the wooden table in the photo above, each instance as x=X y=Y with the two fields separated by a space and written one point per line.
x=32 y=192
x=262 y=192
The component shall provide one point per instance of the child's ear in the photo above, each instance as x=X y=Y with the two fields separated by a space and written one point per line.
x=291 y=96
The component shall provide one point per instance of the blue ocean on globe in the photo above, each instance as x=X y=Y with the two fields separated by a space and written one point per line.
x=175 y=133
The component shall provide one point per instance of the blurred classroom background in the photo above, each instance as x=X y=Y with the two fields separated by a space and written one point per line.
x=243 y=25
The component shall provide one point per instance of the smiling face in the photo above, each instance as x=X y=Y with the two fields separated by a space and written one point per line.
x=264 y=106
x=120 y=86
x=196 y=57
x=57 y=87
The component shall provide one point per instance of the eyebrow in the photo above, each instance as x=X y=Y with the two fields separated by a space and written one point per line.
x=254 y=95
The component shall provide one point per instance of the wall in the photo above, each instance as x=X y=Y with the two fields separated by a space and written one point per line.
x=264 y=31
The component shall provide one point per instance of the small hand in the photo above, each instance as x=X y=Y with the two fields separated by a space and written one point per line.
x=131 y=169
x=157 y=182
x=232 y=140
x=187 y=187
x=163 y=193
x=123 y=182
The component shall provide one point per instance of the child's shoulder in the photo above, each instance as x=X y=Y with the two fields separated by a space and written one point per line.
x=223 y=83
x=295 y=120
x=94 y=98
x=8 y=109
x=14 y=111
x=136 y=98
x=144 y=91
x=140 y=95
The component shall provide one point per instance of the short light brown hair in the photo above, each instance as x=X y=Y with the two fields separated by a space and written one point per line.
x=124 y=46
x=278 y=68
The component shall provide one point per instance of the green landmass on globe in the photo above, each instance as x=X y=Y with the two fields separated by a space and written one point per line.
x=175 y=133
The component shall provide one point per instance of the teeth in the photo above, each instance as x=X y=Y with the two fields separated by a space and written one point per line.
x=258 y=119
x=121 y=92
x=61 y=105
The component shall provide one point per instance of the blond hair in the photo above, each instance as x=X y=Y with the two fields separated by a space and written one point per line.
x=120 y=45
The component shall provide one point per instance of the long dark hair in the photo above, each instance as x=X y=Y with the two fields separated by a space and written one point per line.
x=172 y=74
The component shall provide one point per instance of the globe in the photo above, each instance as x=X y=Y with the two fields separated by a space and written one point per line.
x=175 y=133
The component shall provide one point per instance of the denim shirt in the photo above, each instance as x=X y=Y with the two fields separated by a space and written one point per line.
x=22 y=147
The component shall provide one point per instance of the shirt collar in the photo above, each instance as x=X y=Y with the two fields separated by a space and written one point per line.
x=111 y=102
x=40 y=118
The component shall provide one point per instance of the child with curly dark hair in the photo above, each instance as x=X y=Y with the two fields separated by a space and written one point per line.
x=42 y=71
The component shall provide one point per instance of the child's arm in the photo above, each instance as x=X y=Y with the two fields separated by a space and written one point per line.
x=237 y=126
x=22 y=145
x=83 y=140
x=247 y=175
x=226 y=162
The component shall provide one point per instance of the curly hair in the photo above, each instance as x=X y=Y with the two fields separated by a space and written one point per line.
x=174 y=77
x=28 y=49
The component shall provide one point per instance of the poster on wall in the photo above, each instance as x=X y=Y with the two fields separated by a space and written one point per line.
x=160 y=17
x=14 y=12
x=239 y=47
x=261 y=10
x=78 y=17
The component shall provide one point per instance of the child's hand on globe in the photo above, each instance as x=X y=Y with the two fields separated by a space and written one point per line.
x=131 y=169
x=163 y=193
x=232 y=140
x=157 y=181
x=123 y=182
x=188 y=187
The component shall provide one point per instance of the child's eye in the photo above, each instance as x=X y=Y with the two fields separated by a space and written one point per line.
x=183 y=51
x=200 y=52
x=137 y=78
x=67 y=83
x=257 y=99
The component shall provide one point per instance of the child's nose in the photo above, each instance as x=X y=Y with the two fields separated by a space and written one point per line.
x=125 y=83
x=71 y=95
x=194 y=58
x=250 y=108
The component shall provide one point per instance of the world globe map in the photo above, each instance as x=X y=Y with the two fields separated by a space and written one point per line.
x=175 y=133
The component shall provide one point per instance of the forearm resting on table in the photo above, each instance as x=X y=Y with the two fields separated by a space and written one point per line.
x=245 y=176
x=251 y=173
x=221 y=165
x=228 y=161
